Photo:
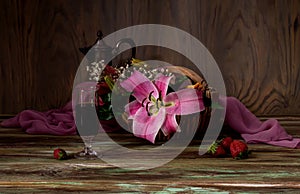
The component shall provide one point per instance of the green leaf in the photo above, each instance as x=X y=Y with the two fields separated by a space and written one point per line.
x=109 y=82
x=106 y=98
x=105 y=115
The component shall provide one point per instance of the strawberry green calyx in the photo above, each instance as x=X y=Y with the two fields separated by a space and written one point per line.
x=242 y=155
x=60 y=154
x=213 y=147
x=216 y=150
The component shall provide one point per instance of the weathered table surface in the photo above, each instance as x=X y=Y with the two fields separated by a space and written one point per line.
x=27 y=166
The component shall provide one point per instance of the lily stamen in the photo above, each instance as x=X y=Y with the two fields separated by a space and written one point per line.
x=147 y=108
x=160 y=96
x=143 y=102
x=150 y=95
x=157 y=102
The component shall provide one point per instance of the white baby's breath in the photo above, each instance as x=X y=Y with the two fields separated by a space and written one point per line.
x=95 y=69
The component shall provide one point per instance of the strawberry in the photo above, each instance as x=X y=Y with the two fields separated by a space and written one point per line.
x=60 y=154
x=225 y=143
x=239 y=149
x=216 y=150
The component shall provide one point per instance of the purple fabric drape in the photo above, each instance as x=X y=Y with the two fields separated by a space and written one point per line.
x=238 y=117
x=252 y=130
x=54 y=122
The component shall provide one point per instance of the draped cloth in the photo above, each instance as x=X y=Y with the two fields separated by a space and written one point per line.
x=53 y=122
x=238 y=117
x=252 y=130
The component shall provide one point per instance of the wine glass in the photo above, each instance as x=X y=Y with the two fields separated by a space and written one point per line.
x=87 y=122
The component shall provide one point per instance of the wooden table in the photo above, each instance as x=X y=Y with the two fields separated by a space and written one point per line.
x=27 y=166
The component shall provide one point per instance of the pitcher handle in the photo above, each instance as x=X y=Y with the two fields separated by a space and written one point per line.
x=128 y=41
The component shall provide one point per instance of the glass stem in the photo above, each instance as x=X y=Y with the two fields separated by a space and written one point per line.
x=88 y=142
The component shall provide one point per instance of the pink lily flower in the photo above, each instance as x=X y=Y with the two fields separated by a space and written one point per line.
x=154 y=109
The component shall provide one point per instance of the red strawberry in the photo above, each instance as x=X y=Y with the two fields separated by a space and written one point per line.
x=239 y=149
x=60 y=154
x=225 y=143
x=216 y=150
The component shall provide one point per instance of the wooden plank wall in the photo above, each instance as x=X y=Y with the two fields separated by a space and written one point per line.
x=256 y=44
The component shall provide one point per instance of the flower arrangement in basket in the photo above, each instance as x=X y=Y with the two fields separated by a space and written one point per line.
x=149 y=98
x=154 y=97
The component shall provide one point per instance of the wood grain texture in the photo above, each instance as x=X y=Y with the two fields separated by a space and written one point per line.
x=40 y=57
x=32 y=169
x=266 y=76
x=256 y=44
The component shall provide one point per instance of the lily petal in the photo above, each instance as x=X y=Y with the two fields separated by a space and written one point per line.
x=186 y=101
x=170 y=125
x=134 y=80
x=162 y=82
x=140 y=85
x=147 y=127
x=143 y=91
x=131 y=108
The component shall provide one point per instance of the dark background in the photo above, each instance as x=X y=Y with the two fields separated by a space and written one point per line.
x=255 y=43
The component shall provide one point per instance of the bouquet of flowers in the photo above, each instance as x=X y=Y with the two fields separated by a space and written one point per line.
x=157 y=95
